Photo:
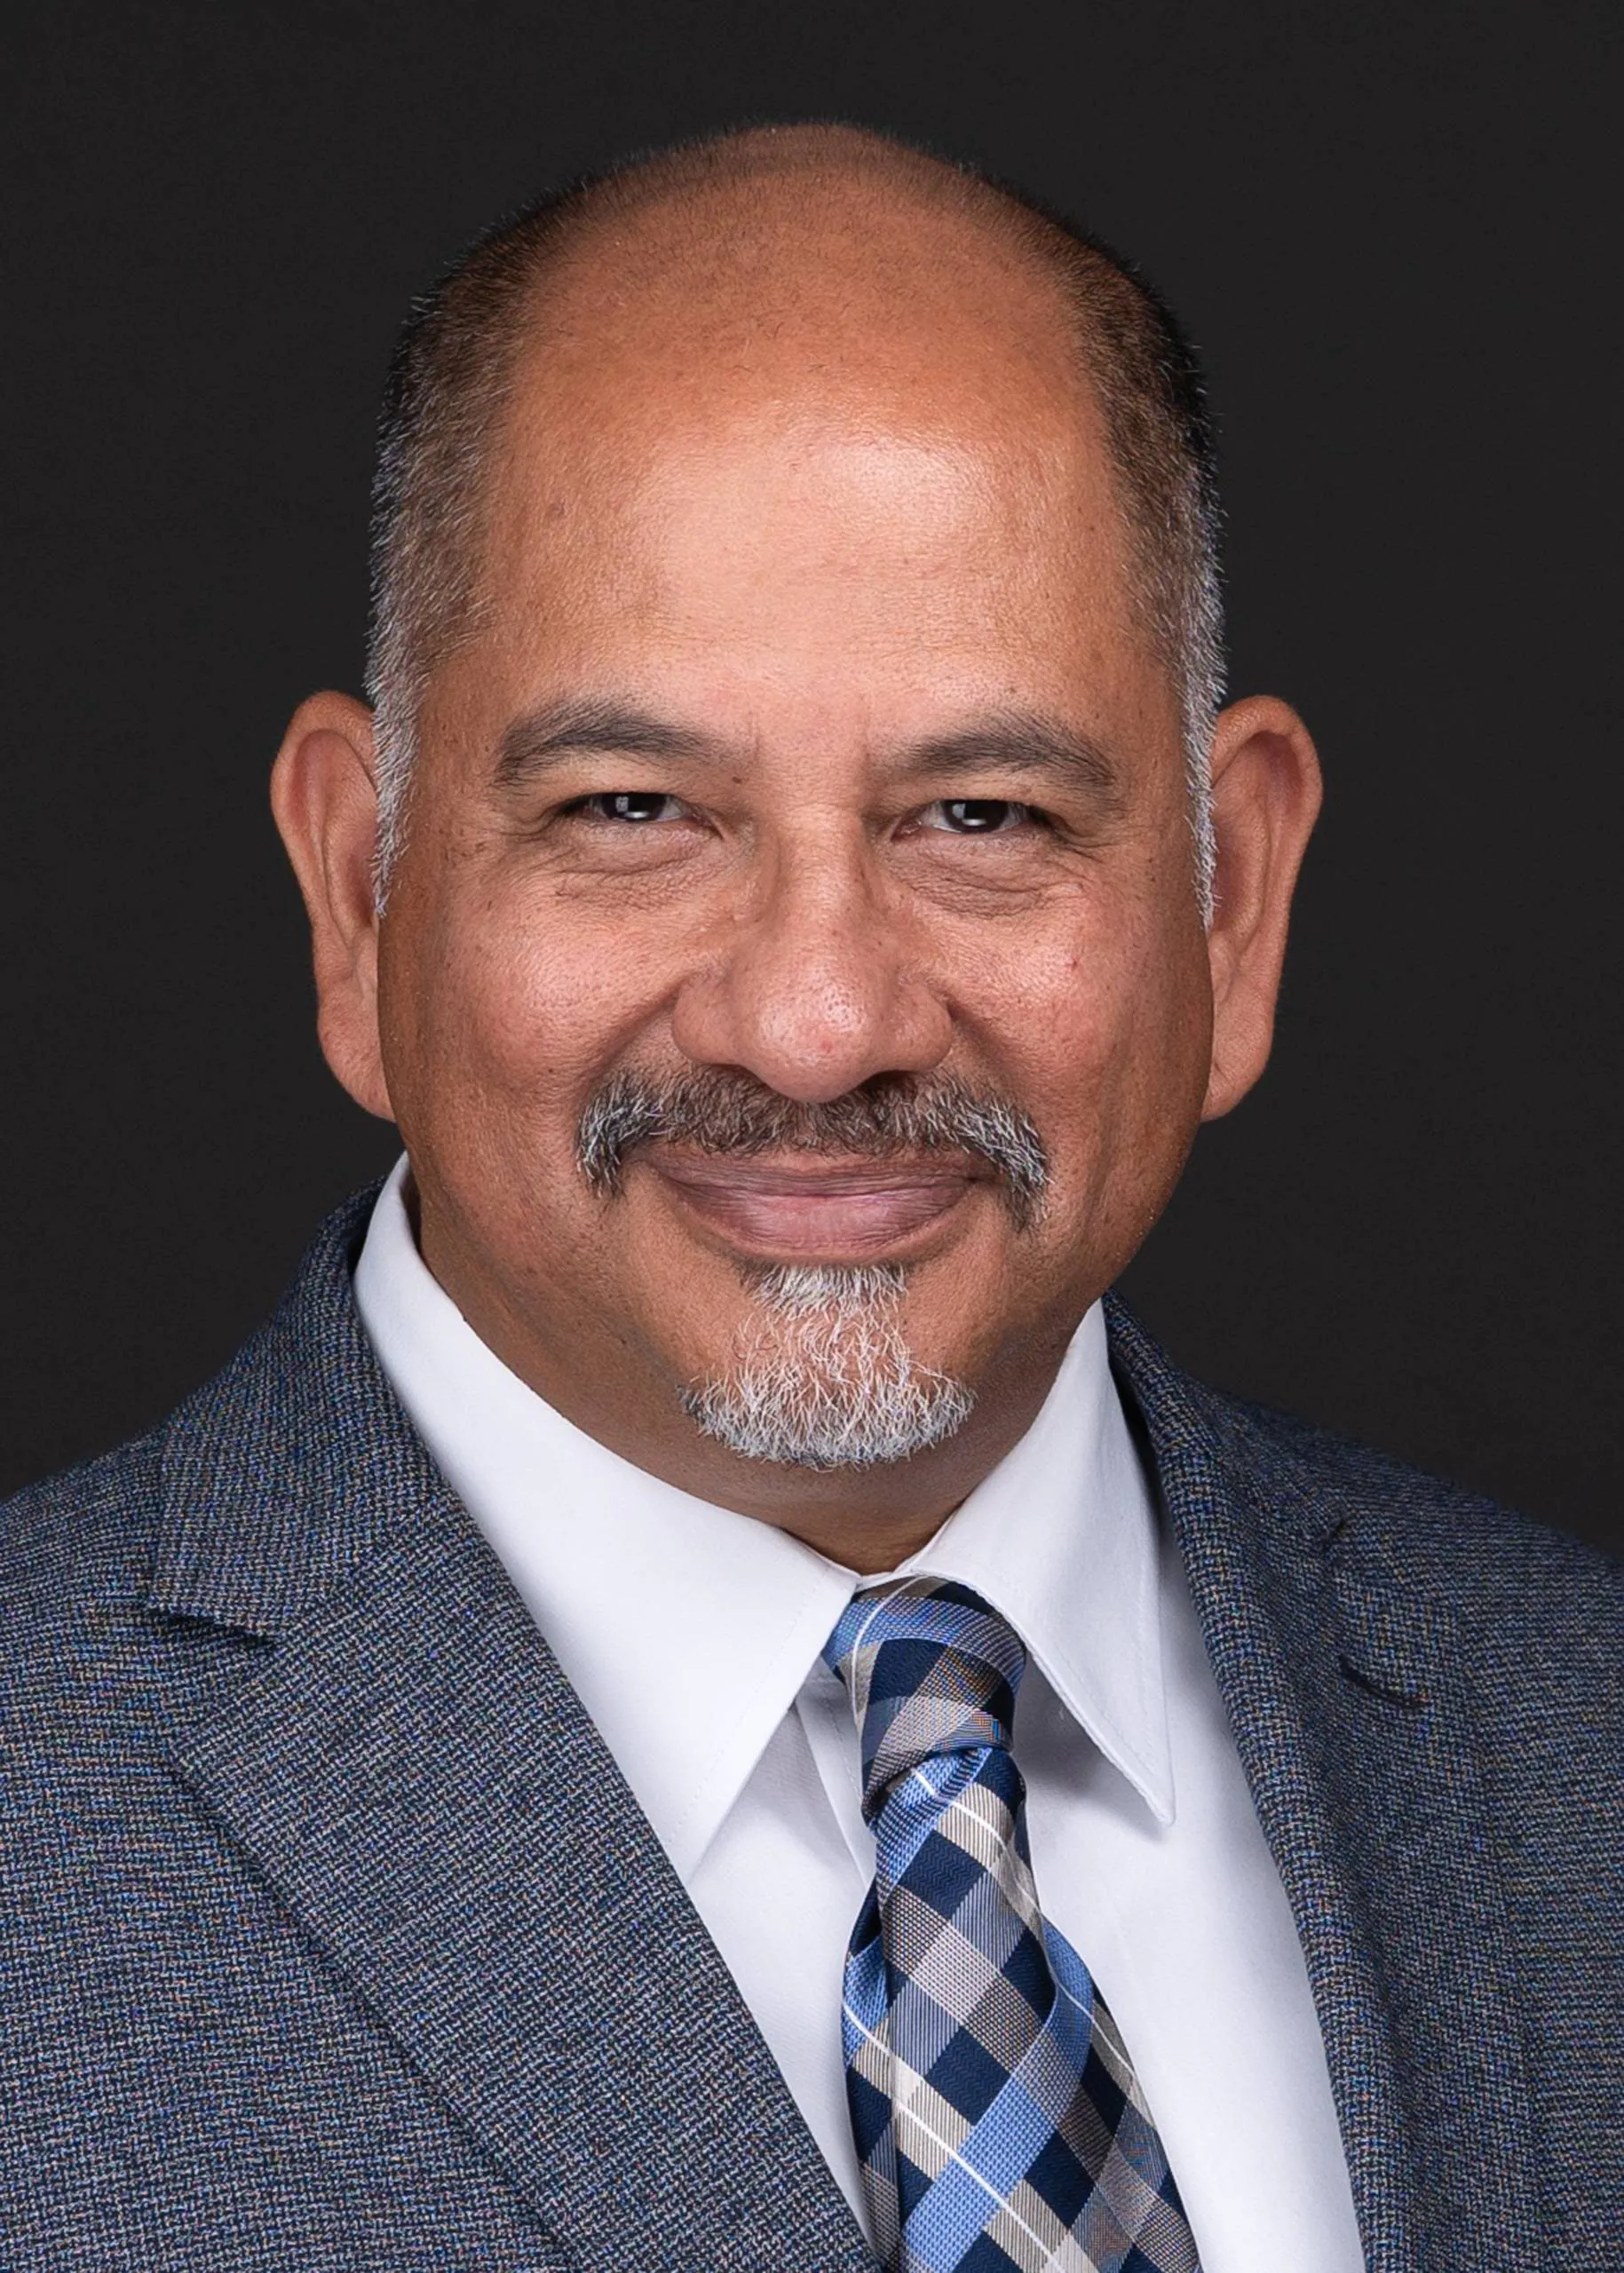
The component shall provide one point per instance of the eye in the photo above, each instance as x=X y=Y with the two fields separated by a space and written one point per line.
x=977 y=816
x=632 y=806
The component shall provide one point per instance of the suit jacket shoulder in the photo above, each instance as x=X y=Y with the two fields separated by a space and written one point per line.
x=1495 y=1568
x=65 y=1542
x=1535 y=1616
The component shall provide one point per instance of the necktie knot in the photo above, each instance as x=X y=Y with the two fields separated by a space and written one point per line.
x=931 y=1669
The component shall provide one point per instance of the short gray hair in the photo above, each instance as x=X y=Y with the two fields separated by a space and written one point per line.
x=452 y=377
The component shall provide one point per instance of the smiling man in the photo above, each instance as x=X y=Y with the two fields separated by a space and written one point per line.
x=702 y=1695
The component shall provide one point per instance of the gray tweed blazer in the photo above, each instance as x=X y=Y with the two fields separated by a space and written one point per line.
x=331 y=1936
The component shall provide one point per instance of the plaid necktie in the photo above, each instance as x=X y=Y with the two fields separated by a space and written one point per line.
x=998 y=2120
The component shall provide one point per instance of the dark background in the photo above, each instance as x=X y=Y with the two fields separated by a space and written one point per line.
x=1394 y=231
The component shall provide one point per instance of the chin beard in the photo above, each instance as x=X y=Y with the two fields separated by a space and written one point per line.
x=822 y=1377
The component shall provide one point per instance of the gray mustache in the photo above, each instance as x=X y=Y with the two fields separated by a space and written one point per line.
x=717 y=1110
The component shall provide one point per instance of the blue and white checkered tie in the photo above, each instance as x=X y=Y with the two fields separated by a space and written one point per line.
x=998 y=2120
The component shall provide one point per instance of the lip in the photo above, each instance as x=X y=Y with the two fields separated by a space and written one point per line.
x=818 y=1212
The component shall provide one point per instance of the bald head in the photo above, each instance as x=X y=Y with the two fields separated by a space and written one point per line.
x=789 y=273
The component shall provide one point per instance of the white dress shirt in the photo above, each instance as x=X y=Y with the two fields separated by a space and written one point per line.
x=693 y=1635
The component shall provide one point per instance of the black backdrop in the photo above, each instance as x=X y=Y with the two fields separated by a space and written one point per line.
x=1392 y=228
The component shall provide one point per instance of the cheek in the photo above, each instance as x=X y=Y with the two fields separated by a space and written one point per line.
x=1102 y=1028
x=511 y=1009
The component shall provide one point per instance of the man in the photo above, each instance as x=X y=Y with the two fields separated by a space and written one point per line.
x=525 y=1769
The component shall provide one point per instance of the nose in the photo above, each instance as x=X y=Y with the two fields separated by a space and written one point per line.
x=817 y=987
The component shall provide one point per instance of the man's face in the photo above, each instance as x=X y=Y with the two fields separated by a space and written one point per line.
x=807 y=744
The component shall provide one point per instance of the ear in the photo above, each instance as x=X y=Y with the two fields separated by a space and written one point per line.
x=324 y=795
x=1266 y=793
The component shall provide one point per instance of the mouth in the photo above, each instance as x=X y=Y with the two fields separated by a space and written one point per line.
x=814 y=1210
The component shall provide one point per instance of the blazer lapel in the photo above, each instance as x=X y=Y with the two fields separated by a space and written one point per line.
x=1344 y=1692
x=411 y=1772
x=1399 y=1750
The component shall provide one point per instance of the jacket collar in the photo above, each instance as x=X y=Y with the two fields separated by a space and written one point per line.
x=283 y=1473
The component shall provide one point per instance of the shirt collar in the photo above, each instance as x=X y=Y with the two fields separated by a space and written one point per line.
x=688 y=1630
x=1061 y=1538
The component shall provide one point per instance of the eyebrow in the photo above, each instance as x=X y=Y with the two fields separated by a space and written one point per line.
x=567 y=729
x=1024 y=742
x=1028 y=743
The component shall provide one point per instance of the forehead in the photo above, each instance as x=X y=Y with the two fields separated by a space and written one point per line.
x=663 y=513
x=823 y=440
